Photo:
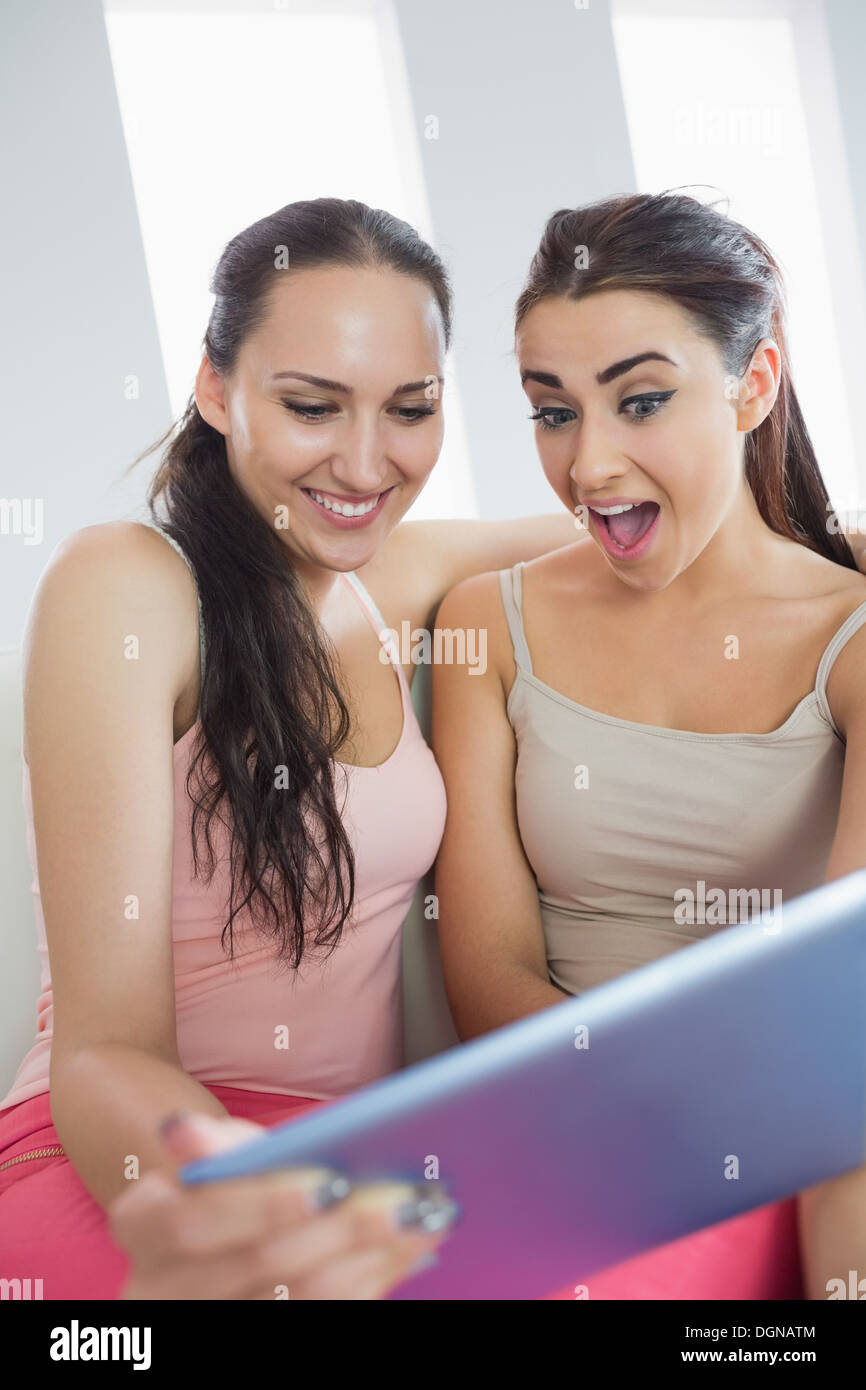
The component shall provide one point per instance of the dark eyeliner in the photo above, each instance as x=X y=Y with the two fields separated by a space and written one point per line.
x=657 y=398
x=541 y=415
x=303 y=410
x=321 y=411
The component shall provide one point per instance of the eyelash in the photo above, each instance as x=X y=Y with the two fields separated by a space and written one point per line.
x=304 y=412
x=658 y=398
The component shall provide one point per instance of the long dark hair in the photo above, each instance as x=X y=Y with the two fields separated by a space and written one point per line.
x=727 y=279
x=271 y=710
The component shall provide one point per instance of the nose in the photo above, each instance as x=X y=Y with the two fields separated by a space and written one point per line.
x=597 y=460
x=360 y=463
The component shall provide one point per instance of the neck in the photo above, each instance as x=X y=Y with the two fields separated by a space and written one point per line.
x=318 y=582
x=743 y=556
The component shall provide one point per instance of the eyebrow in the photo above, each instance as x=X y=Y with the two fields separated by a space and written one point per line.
x=327 y=385
x=616 y=369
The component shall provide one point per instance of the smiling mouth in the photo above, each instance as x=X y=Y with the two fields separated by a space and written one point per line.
x=627 y=523
x=341 y=506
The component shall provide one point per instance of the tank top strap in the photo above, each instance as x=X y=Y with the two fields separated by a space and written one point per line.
x=511 y=587
x=367 y=600
x=183 y=555
x=381 y=629
x=852 y=624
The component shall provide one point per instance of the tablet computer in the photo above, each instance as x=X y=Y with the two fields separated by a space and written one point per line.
x=729 y=1074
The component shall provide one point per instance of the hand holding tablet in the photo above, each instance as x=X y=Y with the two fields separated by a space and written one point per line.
x=725 y=1076
x=301 y=1233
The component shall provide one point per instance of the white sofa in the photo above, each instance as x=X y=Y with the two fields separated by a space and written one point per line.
x=428 y=1021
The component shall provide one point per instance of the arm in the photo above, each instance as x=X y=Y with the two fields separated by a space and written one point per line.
x=422 y=560
x=98 y=739
x=490 y=932
x=466 y=548
x=832 y=1215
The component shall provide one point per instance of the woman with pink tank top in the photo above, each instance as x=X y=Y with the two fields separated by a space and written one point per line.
x=230 y=802
x=675 y=700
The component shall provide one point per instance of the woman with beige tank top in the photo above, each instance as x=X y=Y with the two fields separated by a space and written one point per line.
x=671 y=725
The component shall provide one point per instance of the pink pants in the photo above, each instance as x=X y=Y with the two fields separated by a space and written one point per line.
x=753 y=1256
x=53 y=1230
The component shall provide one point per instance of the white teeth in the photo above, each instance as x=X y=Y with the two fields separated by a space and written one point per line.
x=614 y=511
x=344 y=508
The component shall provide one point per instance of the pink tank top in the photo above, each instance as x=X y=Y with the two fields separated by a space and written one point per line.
x=333 y=1025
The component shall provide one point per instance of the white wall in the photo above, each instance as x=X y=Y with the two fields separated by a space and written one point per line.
x=519 y=90
x=77 y=313
x=846 y=24
x=531 y=119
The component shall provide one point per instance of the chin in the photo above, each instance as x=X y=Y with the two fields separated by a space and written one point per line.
x=650 y=581
x=348 y=552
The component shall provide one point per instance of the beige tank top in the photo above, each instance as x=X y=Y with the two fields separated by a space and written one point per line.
x=645 y=839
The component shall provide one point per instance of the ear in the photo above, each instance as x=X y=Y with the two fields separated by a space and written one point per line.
x=210 y=396
x=759 y=385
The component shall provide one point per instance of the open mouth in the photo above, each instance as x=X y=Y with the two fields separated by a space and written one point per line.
x=626 y=524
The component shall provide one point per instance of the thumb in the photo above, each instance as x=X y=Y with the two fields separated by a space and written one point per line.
x=187 y=1134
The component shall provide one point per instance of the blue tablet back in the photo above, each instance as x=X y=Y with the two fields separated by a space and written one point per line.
x=727 y=1075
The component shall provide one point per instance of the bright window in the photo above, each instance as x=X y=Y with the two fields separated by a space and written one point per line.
x=229 y=115
x=717 y=99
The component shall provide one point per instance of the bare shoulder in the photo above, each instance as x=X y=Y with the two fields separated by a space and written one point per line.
x=103 y=585
x=126 y=550
x=477 y=601
x=579 y=565
x=474 y=606
x=834 y=593
x=474 y=602
x=117 y=566
x=847 y=679
x=813 y=575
